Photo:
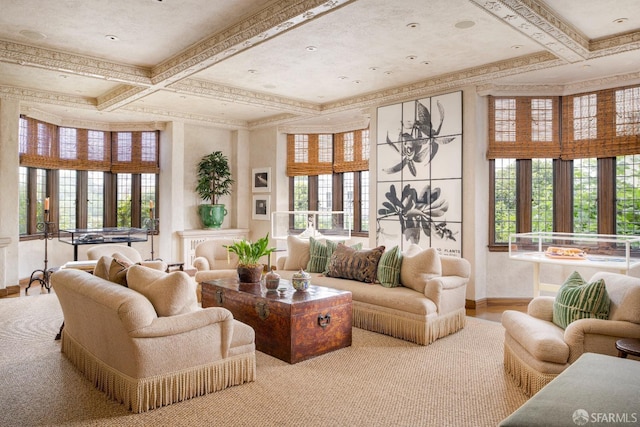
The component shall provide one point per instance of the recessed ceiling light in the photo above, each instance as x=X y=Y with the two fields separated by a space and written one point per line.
x=357 y=82
x=33 y=35
x=464 y=24
x=311 y=48
x=388 y=73
x=252 y=71
x=112 y=37
x=63 y=76
x=374 y=68
x=343 y=77
x=425 y=62
x=412 y=57
x=516 y=46
x=620 y=20
x=413 y=25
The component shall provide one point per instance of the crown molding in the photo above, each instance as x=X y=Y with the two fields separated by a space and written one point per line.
x=448 y=82
x=242 y=96
x=57 y=120
x=190 y=117
x=64 y=62
x=361 y=123
x=40 y=96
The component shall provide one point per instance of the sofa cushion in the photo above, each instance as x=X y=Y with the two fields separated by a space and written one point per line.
x=418 y=266
x=317 y=256
x=170 y=293
x=389 y=268
x=577 y=299
x=102 y=267
x=297 y=253
x=331 y=248
x=349 y=263
x=118 y=268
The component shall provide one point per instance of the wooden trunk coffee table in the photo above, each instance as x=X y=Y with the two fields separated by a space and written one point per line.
x=291 y=325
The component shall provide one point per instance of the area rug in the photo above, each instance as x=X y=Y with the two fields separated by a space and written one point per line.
x=378 y=381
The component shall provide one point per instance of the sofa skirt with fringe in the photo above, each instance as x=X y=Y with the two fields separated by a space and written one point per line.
x=417 y=329
x=144 y=394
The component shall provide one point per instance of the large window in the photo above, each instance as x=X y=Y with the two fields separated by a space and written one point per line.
x=583 y=178
x=329 y=172
x=93 y=179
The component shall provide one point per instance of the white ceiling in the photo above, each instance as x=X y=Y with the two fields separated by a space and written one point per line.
x=244 y=64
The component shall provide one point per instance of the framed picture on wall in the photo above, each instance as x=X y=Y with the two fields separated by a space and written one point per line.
x=260 y=210
x=261 y=182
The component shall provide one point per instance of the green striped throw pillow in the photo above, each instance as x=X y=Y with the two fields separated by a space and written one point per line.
x=389 y=268
x=577 y=299
x=318 y=256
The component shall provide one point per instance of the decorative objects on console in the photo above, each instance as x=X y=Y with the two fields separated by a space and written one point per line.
x=301 y=280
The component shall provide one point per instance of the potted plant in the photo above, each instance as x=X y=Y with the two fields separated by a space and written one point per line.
x=214 y=180
x=249 y=254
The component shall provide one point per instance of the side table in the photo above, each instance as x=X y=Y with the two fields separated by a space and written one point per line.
x=628 y=346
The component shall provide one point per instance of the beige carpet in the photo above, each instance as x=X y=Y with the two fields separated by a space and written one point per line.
x=378 y=381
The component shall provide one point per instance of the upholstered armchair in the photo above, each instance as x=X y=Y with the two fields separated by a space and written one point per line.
x=536 y=350
x=96 y=252
x=213 y=261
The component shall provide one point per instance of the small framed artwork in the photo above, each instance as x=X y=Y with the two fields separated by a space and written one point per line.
x=261 y=180
x=261 y=207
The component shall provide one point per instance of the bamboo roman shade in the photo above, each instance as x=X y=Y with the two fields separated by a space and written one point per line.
x=524 y=127
x=319 y=154
x=351 y=151
x=605 y=123
x=47 y=146
x=598 y=124
x=134 y=152
x=305 y=156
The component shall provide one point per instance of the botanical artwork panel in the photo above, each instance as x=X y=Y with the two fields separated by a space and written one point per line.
x=422 y=190
x=448 y=164
x=387 y=158
x=389 y=233
x=389 y=123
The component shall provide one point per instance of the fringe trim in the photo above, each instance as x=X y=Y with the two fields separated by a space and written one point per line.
x=421 y=332
x=527 y=379
x=144 y=394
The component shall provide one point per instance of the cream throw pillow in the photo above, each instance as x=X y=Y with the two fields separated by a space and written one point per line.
x=298 y=254
x=170 y=293
x=418 y=266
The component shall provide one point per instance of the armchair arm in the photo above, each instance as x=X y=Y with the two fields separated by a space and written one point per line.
x=201 y=263
x=541 y=308
x=436 y=289
x=588 y=335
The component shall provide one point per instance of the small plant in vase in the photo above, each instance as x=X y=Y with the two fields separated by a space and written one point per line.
x=249 y=254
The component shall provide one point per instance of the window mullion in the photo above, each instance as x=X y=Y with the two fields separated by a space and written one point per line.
x=606 y=195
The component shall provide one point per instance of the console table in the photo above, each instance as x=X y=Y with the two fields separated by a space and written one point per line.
x=98 y=236
x=192 y=238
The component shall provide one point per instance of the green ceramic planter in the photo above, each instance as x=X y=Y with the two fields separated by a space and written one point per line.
x=212 y=215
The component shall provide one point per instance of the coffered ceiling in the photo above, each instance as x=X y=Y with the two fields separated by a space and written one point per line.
x=245 y=64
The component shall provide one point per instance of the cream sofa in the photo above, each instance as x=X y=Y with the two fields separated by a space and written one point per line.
x=149 y=344
x=433 y=307
x=536 y=350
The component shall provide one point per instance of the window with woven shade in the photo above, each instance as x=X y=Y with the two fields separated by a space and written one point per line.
x=604 y=123
x=578 y=177
x=309 y=154
x=134 y=152
x=351 y=151
x=524 y=127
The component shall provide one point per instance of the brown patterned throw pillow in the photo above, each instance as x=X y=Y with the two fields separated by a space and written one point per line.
x=349 y=263
x=118 y=269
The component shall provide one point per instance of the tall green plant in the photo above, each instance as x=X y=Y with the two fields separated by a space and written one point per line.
x=249 y=253
x=214 y=177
